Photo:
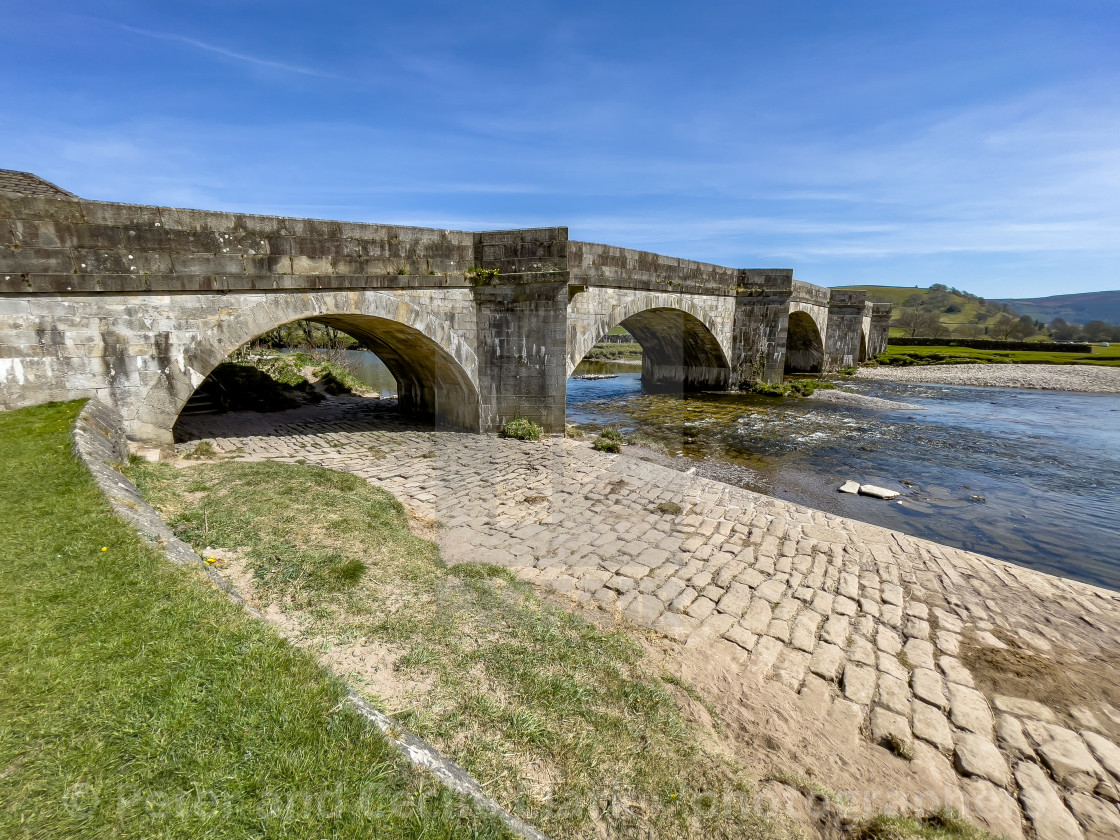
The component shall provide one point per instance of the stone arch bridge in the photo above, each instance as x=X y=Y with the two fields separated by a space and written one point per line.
x=136 y=305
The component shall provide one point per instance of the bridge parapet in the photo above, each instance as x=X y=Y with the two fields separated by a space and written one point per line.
x=66 y=245
x=847 y=297
x=523 y=252
x=592 y=264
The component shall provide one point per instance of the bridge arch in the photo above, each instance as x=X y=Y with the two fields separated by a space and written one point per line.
x=436 y=371
x=685 y=345
x=862 y=347
x=804 y=344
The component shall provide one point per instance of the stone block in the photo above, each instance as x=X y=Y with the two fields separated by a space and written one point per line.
x=928 y=687
x=1099 y=820
x=859 y=683
x=675 y=626
x=978 y=756
x=1049 y=817
x=992 y=808
x=969 y=710
x=827 y=661
x=1105 y=751
x=894 y=695
x=892 y=731
x=931 y=725
x=1069 y=760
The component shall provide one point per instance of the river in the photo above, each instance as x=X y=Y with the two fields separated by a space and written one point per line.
x=1027 y=476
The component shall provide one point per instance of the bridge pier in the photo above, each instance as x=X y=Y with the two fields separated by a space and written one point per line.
x=845 y=329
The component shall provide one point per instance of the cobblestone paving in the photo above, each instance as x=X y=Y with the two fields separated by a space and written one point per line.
x=797 y=596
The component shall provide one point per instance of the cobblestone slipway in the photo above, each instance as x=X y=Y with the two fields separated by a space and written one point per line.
x=868 y=622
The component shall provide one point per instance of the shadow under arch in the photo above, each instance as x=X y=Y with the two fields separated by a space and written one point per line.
x=862 y=347
x=435 y=370
x=804 y=347
x=431 y=385
x=679 y=351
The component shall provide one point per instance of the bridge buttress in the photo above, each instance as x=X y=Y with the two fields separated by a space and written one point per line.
x=762 y=301
x=522 y=317
x=845 y=324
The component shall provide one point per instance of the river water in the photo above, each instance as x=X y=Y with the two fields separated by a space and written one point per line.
x=1028 y=476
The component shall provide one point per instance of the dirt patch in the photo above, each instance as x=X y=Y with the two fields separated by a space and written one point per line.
x=1062 y=679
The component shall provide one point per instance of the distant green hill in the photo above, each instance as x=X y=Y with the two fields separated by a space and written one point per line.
x=1077 y=309
x=966 y=306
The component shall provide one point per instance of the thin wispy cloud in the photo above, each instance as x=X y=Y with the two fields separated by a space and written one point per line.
x=227 y=53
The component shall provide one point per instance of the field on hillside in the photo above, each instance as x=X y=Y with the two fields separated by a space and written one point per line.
x=898 y=295
x=902 y=355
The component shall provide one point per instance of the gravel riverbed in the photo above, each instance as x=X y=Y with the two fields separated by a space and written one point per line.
x=1086 y=378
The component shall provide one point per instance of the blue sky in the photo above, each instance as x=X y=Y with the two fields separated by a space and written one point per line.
x=906 y=142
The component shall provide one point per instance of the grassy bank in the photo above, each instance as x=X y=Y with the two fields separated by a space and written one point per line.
x=902 y=355
x=569 y=725
x=607 y=352
x=137 y=702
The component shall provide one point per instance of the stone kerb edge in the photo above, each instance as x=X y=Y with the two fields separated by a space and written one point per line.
x=100 y=444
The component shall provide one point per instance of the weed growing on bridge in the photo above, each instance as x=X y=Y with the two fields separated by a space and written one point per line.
x=479 y=273
x=569 y=725
x=521 y=428
x=137 y=701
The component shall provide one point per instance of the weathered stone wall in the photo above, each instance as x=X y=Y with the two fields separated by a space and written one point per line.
x=624 y=268
x=878 y=329
x=522 y=317
x=136 y=305
x=594 y=311
x=845 y=329
x=146 y=354
x=762 y=305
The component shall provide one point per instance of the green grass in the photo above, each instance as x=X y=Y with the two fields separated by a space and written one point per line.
x=568 y=724
x=606 y=352
x=940 y=825
x=902 y=355
x=136 y=701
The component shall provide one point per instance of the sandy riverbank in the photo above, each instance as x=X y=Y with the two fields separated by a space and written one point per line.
x=1085 y=378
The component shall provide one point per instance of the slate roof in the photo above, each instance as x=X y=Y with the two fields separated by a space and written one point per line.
x=24 y=183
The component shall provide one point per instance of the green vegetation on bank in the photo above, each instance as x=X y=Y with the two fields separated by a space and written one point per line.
x=609 y=440
x=136 y=701
x=522 y=428
x=607 y=352
x=567 y=724
x=905 y=356
x=796 y=387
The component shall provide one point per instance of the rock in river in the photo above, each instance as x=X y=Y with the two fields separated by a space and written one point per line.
x=877 y=492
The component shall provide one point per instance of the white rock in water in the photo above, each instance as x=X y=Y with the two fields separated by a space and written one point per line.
x=849 y=487
x=878 y=492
